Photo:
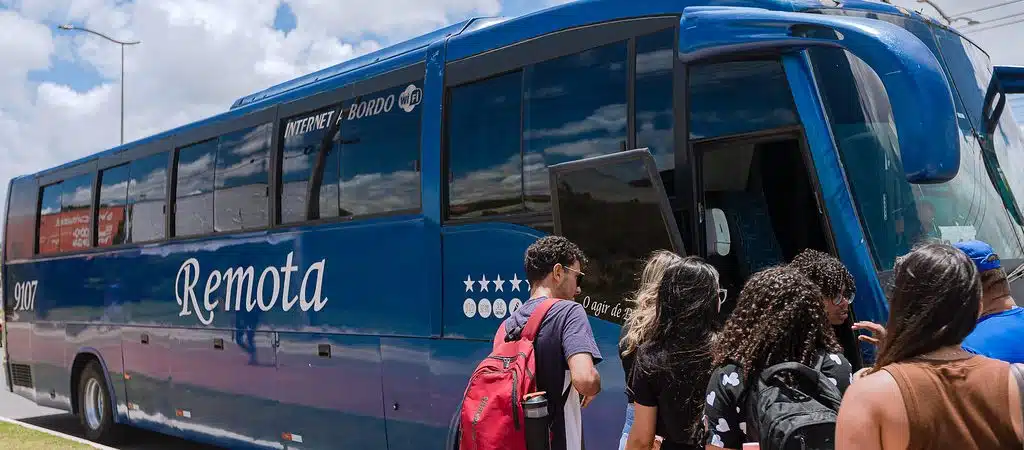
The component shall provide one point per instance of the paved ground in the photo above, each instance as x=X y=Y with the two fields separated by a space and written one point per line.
x=15 y=407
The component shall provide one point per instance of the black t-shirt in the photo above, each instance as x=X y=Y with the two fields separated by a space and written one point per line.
x=723 y=414
x=671 y=394
x=627 y=362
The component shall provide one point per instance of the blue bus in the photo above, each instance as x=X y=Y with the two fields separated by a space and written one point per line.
x=324 y=264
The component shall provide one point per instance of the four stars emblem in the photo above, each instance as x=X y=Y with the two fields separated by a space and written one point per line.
x=499 y=284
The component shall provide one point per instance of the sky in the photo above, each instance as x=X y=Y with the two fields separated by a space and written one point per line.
x=60 y=90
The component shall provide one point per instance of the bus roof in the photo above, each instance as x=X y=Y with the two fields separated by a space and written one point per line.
x=471 y=37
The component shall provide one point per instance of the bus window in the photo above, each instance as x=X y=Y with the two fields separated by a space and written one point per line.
x=49 y=219
x=193 y=208
x=739 y=97
x=76 y=214
x=303 y=136
x=111 y=229
x=147 y=194
x=575 y=107
x=484 y=154
x=379 y=152
x=653 y=97
x=617 y=214
x=895 y=214
x=241 y=180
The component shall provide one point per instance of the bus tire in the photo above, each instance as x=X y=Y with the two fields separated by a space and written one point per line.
x=96 y=406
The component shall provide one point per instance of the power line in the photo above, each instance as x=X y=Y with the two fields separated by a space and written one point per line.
x=986 y=8
x=978 y=30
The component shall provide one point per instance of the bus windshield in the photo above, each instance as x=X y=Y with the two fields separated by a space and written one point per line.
x=896 y=214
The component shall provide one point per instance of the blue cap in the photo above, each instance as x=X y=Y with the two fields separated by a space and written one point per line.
x=981 y=253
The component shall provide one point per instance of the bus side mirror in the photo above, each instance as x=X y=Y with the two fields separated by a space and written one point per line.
x=922 y=102
x=1011 y=78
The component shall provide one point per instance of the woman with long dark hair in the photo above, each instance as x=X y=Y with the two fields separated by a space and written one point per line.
x=777 y=319
x=673 y=362
x=925 y=391
x=641 y=323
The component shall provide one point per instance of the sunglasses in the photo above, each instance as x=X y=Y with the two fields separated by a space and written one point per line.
x=579 y=275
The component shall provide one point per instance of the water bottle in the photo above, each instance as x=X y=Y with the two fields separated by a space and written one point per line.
x=538 y=423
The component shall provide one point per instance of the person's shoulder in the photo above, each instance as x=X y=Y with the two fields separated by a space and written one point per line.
x=877 y=388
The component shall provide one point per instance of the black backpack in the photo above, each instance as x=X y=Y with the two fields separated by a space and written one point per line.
x=800 y=417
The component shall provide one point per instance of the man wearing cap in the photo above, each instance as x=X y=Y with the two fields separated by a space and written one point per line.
x=1000 y=328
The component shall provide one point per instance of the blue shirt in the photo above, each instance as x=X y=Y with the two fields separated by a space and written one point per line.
x=999 y=336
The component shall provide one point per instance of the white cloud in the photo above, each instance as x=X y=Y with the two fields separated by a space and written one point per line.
x=195 y=59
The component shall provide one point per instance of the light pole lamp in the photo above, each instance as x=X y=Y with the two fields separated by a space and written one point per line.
x=69 y=27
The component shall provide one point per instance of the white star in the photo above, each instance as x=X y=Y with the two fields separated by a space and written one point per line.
x=515 y=282
x=468 y=283
x=483 y=283
x=499 y=284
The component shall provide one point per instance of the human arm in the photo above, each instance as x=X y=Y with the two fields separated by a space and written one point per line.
x=873 y=416
x=641 y=434
x=581 y=352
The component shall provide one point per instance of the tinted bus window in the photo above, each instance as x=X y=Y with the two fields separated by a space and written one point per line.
x=49 y=219
x=484 y=147
x=380 y=151
x=20 y=236
x=303 y=135
x=76 y=213
x=193 y=209
x=241 y=180
x=739 y=97
x=113 y=201
x=653 y=97
x=575 y=108
x=147 y=197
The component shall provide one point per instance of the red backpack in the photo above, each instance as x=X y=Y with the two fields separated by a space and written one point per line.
x=492 y=416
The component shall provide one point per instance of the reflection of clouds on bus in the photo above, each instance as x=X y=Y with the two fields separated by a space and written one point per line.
x=607 y=118
x=194 y=177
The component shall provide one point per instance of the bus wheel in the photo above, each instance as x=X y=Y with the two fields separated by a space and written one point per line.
x=95 y=408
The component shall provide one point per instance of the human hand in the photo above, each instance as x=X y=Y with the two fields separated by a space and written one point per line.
x=585 y=400
x=877 y=331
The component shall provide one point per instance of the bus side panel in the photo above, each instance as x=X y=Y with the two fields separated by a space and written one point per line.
x=424 y=381
x=27 y=352
x=329 y=391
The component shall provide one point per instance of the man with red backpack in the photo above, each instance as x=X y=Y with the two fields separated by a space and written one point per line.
x=549 y=336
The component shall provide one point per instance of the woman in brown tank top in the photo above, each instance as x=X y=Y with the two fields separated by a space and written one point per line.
x=925 y=391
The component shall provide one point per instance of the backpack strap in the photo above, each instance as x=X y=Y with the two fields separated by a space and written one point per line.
x=536 y=317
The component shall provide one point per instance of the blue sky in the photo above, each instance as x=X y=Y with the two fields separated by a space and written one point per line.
x=59 y=90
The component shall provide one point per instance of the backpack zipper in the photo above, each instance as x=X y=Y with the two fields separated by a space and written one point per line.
x=515 y=399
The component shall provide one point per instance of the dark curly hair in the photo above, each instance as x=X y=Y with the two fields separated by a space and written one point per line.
x=831 y=276
x=778 y=318
x=542 y=255
x=935 y=302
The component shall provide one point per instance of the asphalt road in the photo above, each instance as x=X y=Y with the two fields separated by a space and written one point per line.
x=15 y=407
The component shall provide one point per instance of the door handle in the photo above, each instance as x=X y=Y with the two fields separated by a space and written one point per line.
x=145 y=338
x=218 y=343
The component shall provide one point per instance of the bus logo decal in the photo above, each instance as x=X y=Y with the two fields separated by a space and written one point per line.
x=239 y=284
x=410 y=97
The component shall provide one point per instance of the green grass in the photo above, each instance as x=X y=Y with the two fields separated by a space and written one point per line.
x=21 y=438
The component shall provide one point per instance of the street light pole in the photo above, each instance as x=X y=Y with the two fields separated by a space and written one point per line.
x=122 y=44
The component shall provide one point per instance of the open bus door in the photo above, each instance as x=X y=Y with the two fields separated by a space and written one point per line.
x=615 y=209
x=916 y=86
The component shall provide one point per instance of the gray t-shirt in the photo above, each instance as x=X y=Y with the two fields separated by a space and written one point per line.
x=565 y=331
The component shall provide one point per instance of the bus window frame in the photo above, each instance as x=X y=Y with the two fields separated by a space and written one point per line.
x=520 y=55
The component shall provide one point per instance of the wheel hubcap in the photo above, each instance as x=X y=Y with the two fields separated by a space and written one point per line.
x=94 y=403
